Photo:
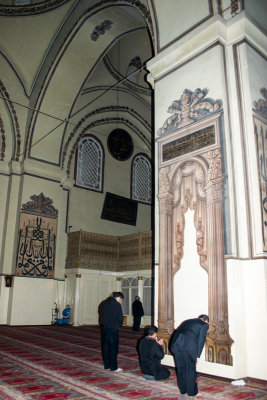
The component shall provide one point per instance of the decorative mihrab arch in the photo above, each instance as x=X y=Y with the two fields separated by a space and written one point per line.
x=191 y=176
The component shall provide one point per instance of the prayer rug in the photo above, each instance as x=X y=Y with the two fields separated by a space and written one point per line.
x=65 y=362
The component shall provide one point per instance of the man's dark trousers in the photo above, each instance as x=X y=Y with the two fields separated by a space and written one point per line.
x=110 y=348
x=186 y=373
x=137 y=322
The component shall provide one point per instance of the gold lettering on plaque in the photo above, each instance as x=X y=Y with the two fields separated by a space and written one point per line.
x=186 y=144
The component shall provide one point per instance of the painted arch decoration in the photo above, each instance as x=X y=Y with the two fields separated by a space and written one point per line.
x=191 y=176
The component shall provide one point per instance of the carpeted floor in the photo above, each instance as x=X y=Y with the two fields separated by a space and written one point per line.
x=63 y=362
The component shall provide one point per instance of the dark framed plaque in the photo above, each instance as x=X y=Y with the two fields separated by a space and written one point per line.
x=120 y=144
x=119 y=209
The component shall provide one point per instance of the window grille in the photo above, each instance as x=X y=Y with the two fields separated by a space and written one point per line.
x=141 y=179
x=90 y=164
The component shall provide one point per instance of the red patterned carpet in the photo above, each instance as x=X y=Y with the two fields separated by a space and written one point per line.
x=63 y=362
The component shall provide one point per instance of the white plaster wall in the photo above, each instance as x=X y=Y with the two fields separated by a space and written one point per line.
x=176 y=17
x=4 y=300
x=32 y=301
x=253 y=71
x=191 y=281
x=257 y=10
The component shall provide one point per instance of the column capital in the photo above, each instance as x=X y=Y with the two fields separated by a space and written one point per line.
x=214 y=190
x=166 y=202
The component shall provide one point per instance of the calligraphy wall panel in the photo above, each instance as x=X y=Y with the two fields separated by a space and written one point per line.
x=37 y=238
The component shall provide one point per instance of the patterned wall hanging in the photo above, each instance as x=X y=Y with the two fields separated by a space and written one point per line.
x=37 y=238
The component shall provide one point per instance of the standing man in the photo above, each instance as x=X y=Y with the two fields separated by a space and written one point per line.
x=186 y=344
x=112 y=320
x=151 y=353
x=138 y=312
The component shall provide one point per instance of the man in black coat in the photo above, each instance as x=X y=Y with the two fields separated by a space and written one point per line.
x=112 y=318
x=186 y=344
x=151 y=353
x=138 y=312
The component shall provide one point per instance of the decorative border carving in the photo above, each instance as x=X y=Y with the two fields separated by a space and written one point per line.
x=40 y=205
x=101 y=29
x=3 y=139
x=260 y=106
x=260 y=131
x=191 y=107
x=15 y=120
x=37 y=8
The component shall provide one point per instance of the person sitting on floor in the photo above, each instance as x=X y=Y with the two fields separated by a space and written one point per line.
x=151 y=353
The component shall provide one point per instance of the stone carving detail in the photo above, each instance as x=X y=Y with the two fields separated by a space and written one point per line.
x=15 y=123
x=190 y=108
x=27 y=9
x=164 y=182
x=215 y=164
x=190 y=193
x=101 y=29
x=3 y=139
x=260 y=131
x=40 y=205
x=260 y=106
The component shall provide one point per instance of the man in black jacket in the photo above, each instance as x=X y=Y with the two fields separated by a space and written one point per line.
x=112 y=320
x=138 y=312
x=186 y=344
x=151 y=353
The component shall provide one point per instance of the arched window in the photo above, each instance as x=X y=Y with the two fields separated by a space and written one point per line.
x=89 y=165
x=141 y=179
x=130 y=290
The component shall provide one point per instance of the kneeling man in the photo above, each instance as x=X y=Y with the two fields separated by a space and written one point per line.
x=151 y=353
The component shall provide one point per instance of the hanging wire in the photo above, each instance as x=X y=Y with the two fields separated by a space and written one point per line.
x=67 y=120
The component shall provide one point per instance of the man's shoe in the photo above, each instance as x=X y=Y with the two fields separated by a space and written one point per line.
x=149 y=377
x=118 y=370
